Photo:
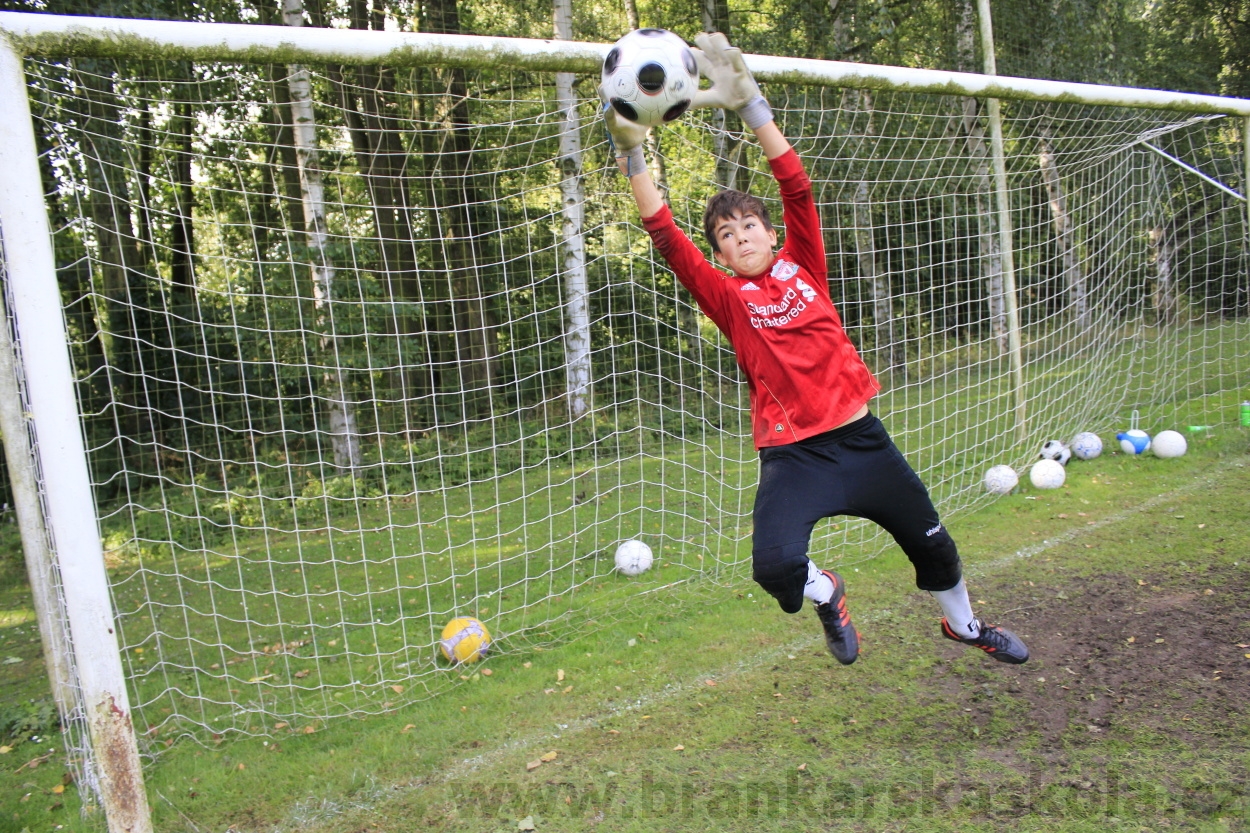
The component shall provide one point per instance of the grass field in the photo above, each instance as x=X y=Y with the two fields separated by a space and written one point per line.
x=705 y=707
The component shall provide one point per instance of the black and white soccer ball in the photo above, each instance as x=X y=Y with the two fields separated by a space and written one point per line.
x=1055 y=450
x=650 y=76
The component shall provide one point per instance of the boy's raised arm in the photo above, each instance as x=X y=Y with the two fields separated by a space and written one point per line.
x=627 y=139
x=734 y=88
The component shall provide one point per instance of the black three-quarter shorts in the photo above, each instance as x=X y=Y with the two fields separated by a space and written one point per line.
x=853 y=470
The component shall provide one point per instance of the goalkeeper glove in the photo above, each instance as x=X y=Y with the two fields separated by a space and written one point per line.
x=733 y=86
x=626 y=138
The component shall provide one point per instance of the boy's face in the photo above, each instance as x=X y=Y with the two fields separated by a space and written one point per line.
x=746 y=244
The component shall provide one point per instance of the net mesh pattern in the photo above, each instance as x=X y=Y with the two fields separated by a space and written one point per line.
x=328 y=386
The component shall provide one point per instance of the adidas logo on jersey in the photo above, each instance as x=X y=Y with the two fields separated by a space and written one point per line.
x=749 y=285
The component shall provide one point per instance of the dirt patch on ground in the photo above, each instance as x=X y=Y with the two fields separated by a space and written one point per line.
x=1139 y=652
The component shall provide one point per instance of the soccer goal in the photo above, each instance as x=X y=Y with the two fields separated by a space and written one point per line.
x=328 y=337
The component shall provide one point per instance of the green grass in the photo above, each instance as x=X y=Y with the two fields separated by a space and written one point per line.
x=239 y=644
x=917 y=736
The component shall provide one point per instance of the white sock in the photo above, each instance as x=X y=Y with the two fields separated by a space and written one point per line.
x=819 y=586
x=958 y=609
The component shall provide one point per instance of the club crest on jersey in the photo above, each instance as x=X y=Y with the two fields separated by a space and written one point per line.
x=784 y=270
x=749 y=285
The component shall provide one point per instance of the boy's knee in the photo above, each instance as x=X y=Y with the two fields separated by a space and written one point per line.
x=782 y=571
x=936 y=560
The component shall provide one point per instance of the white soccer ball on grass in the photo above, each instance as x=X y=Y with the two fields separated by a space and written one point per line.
x=1000 y=480
x=1169 y=444
x=633 y=557
x=1047 y=474
x=1086 y=445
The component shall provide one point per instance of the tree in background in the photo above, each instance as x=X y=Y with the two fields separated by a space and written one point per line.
x=444 y=309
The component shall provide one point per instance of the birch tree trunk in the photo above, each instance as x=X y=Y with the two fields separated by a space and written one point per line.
x=572 y=243
x=889 y=350
x=1163 y=255
x=456 y=200
x=344 y=436
x=727 y=143
x=1073 y=274
x=118 y=309
x=978 y=150
x=889 y=356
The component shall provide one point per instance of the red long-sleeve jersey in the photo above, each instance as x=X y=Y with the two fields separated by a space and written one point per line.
x=804 y=375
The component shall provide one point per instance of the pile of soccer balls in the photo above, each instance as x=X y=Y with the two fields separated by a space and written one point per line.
x=1049 y=472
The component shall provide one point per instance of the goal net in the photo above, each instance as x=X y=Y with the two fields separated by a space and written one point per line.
x=359 y=349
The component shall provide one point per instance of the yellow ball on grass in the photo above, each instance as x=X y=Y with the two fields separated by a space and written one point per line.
x=465 y=639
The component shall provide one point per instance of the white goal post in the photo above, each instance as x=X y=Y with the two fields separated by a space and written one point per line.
x=182 y=371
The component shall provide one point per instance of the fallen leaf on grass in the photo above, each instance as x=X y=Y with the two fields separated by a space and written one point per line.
x=4 y=750
x=299 y=675
x=280 y=725
x=406 y=728
x=533 y=765
x=560 y=675
x=486 y=672
x=802 y=767
x=398 y=689
x=58 y=789
x=709 y=682
x=679 y=748
x=308 y=730
x=526 y=823
x=549 y=757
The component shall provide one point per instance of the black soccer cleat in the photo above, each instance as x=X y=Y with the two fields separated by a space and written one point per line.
x=840 y=635
x=1000 y=643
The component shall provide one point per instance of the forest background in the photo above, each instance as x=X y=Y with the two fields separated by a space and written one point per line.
x=155 y=327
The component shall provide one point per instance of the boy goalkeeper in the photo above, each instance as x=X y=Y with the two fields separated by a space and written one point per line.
x=822 y=453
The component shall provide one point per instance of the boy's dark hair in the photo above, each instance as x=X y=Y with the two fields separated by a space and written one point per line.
x=725 y=205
